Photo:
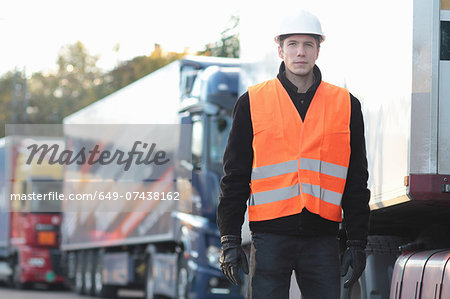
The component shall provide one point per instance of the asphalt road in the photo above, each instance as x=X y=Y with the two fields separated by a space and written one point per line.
x=41 y=292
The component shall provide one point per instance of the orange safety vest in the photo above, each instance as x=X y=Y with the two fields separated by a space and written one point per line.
x=298 y=164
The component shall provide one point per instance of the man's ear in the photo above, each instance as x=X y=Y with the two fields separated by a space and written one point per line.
x=280 y=52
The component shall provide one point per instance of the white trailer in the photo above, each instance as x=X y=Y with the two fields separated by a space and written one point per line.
x=166 y=242
x=394 y=56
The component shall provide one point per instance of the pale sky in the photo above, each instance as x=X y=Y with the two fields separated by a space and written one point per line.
x=32 y=32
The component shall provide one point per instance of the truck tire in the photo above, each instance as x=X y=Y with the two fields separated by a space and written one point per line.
x=149 y=278
x=79 y=272
x=16 y=282
x=182 y=278
x=101 y=290
x=89 y=274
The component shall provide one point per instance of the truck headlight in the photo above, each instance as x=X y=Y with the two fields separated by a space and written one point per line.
x=213 y=254
x=36 y=262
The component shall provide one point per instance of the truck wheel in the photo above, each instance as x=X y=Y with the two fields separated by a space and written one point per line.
x=79 y=273
x=182 y=278
x=16 y=281
x=101 y=290
x=89 y=273
x=149 y=279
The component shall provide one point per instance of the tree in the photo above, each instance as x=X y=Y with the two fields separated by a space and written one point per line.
x=78 y=76
x=74 y=85
x=6 y=100
x=136 y=68
x=49 y=97
x=228 y=45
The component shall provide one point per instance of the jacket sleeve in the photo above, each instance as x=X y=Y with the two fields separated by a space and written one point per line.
x=237 y=166
x=355 y=200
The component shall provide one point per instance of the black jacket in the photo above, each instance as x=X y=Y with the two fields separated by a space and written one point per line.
x=238 y=158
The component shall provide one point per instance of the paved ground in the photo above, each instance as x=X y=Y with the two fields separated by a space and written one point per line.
x=42 y=292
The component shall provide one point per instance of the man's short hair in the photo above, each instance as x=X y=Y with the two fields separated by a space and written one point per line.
x=285 y=36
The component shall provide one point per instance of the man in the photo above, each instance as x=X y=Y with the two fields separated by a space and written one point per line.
x=297 y=148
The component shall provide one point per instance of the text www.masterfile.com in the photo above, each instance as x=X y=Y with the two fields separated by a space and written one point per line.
x=96 y=195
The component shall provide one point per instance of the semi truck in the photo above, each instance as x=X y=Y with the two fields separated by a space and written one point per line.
x=29 y=229
x=395 y=58
x=166 y=246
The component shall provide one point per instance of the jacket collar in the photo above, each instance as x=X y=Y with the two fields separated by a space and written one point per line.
x=292 y=88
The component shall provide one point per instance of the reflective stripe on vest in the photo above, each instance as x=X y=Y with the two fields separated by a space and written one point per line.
x=291 y=191
x=298 y=164
x=291 y=166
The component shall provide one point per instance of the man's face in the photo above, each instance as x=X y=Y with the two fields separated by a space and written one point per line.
x=299 y=53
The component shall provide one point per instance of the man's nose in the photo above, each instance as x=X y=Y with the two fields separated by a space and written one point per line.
x=301 y=50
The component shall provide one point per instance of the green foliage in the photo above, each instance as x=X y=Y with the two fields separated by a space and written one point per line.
x=140 y=66
x=77 y=83
x=228 y=45
x=47 y=98
x=11 y=93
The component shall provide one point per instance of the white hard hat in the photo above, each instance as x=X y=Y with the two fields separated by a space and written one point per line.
x=300 y=23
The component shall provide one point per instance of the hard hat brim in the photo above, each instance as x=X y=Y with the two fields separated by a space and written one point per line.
x=322 y=36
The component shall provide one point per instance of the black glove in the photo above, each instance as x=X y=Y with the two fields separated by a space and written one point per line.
x=232 y=258
x=354 y=256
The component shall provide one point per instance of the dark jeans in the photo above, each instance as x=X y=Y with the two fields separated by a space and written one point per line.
x=315 y=261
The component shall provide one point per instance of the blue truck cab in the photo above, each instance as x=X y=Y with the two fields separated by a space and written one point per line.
x=207 y=107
